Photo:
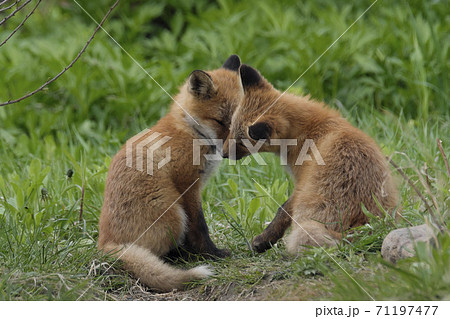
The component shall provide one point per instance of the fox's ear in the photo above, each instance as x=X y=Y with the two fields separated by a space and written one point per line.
x=201 y=85
x=250 y=76
x=232 y=63
x=260 y=131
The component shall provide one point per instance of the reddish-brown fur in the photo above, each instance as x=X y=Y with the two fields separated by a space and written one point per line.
x=327 y=199
x=145 y=216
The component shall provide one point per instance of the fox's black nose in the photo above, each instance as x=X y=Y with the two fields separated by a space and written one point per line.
x=224 y=154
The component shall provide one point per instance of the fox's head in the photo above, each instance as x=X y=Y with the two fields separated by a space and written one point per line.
x=209 y=99
x=258 y=119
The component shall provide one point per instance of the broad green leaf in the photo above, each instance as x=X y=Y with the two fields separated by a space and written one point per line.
x=230 y=210
x=34 y=169
x=233 y=187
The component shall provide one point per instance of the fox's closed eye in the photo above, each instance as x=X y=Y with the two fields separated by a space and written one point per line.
x=219 y=122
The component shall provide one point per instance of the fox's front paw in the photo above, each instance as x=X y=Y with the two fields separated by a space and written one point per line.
x=260 y=245
x=220 y=253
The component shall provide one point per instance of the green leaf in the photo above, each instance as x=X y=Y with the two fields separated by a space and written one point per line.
x=18 y=195
x=255 y=203
x=253 y=207
x=230 y=210
x=34 y=169
x=233 y=187
x=2 y=184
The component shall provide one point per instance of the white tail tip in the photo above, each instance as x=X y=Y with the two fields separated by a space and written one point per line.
x=202 y=271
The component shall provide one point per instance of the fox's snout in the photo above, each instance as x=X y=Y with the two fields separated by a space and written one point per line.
x=226 y=147
x=234 y=151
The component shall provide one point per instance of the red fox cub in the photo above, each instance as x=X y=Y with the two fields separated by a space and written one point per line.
x=349 y=169
x=145 y=216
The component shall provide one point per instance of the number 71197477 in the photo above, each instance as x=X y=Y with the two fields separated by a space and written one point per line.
x=406 y=310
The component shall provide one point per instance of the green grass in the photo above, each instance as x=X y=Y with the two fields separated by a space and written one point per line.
x=388 y=75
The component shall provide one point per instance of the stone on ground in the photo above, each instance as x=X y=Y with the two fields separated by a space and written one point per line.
x=400 y=243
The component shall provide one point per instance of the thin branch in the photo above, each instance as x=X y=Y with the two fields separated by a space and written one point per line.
x=428 y=189
x=7 y=8
x=422 y=181
x=71 y=63
x=430 y=210
x=425 y=172
x=410 y=224
x=21 y=24
x=439 y=143
x=14 y=12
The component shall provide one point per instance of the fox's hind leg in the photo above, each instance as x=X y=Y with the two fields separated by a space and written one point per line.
x=310 y=233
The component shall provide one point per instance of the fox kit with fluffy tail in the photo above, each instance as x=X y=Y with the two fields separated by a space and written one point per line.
x=337 y=168
x=149 y=208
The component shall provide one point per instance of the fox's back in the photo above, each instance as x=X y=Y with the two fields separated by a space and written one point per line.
x=355 y=172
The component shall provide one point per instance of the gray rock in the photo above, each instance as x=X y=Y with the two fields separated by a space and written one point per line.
x=400 y=243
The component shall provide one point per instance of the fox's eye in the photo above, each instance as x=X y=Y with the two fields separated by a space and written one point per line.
x=219 y=122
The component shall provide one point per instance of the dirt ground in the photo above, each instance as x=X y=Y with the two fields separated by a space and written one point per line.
x=316 y=288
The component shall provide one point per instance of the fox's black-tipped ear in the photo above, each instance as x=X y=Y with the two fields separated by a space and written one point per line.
x=232 y=63
x=260 y=131
x=201 y=85
x=250 y=76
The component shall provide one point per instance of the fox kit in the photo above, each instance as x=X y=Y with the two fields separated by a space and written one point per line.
x=144 y=216
x=349 y=169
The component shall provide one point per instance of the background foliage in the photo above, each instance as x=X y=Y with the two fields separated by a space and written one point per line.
x=388 y=75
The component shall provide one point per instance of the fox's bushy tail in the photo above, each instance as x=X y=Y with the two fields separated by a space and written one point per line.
x=151 y=270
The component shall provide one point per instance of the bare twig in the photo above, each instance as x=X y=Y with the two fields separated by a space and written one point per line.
x=10 y=6
x=430 y=210
x=21 y=24
x=71 y=63
x=425 y=172
x=410 y=224
x=423 y=182
x=427 y=186
x=14 y=12
x=439 y=143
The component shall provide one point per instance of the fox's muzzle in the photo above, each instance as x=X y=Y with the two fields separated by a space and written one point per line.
x=233 y=150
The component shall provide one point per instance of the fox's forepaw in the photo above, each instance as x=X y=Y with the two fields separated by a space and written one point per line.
x=221 y=253
x=217 y=253
x=260 y=245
